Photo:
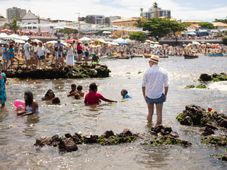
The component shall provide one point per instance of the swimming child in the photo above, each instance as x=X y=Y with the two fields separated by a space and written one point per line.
x=79 y=91
x=73 y=90
x=50 y=96
x=124 y=94
x=93 y=98
x=31 y=107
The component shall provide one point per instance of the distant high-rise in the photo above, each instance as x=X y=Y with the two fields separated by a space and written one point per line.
x=15 y=13
x=155 y=12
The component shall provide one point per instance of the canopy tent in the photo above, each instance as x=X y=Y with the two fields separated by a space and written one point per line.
x=3 y=42
x=101 y=40
x=36 y=41
x=24 y=37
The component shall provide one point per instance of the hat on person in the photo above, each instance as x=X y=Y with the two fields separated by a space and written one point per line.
x=154 y=58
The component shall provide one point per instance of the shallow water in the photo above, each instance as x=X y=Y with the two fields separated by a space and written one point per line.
x=17 y=134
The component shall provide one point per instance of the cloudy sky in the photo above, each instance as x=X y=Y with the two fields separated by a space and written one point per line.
x=69 y=9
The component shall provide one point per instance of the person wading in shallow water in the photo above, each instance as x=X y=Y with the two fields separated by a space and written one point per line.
x=155 y=89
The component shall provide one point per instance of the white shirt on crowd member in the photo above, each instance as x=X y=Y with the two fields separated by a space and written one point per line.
x=41 y=51
x=27 y=50
x=154 y=81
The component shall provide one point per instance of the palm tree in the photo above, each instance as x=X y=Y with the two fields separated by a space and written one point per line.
x=13 y=25
x=155 y=5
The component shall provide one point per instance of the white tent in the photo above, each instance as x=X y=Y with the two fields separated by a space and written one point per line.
x=121 y=41
x=14 y=37
x=195 y=43
x=36 y=41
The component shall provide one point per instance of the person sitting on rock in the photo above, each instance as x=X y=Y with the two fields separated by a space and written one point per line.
x=31 y=107
x=73 y=90
x=50 y=96
x=124 y=94
x=79 y=91
x=94 y=98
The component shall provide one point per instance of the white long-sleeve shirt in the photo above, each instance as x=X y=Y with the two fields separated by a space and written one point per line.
x=154 y=81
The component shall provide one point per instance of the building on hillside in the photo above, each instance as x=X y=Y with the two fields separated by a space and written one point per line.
x=95 y=19
x=155 y=12
x=3 y=21
x=33 y=23
x=15 y=13
x=220 y=25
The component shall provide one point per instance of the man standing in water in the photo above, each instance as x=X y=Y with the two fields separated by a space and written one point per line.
x=155 y=88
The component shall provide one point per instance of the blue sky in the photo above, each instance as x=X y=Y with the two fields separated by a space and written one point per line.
x=206 y=10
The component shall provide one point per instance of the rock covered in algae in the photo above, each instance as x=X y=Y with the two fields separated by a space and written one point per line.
x=200 y=86
x=213 y=77
x=166 y=136
x=68 y=143
x=222 y=157
x=194 y=115
x=215 y=140
x=78 y=71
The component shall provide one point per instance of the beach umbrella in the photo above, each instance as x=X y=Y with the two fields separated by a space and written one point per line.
x=195 y=43
x=71 y=40
x=106 y=32
x=36 y=41
x=19 y=41
x=84 y=39
x=121 y=41
x=101 y=40
x=24 y=37
x=3 y=42
x=3 y=36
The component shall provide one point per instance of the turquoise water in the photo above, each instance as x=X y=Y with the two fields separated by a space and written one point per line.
x=17 y=134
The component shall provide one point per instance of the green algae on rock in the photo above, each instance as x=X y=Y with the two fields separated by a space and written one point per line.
x=68 y=143
x=78 y=71
x=215 y=140
x=165 y=136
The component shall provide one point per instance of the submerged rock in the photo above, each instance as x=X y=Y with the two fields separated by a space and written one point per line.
x=222 y=157
x=68 y=143
x=78 y=71
x=215 y=140
x=166 y=136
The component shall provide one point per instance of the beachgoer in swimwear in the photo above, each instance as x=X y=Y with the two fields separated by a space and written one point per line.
x=93 y=98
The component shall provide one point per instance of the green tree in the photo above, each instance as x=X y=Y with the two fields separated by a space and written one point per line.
x=138 y=36
x=224 y=40
x=206 y=25
x=12 y=26
x=159 y=27
x=221 y=20
x=68 y=31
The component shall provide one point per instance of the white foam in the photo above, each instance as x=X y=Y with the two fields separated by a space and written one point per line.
x=219 y=86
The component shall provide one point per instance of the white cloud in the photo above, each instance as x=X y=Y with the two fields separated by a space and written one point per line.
x=67 y=9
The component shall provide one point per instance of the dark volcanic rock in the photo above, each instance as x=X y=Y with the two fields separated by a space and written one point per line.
x=205 y=77
x=67 y=145
x=207 y=131
x=215 y=140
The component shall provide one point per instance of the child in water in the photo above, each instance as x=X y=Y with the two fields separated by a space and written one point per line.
x=93 y=98
x=124 y=94
x=31 y=107
x=50 y=96
x=79 y=91
x=73 y=90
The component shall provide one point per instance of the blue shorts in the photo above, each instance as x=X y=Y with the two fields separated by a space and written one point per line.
x=159 y=100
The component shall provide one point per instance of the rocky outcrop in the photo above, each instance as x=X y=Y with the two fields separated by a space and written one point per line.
x=213 y=77
x=194 y=115
x=78 y=71
x=68 y=143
